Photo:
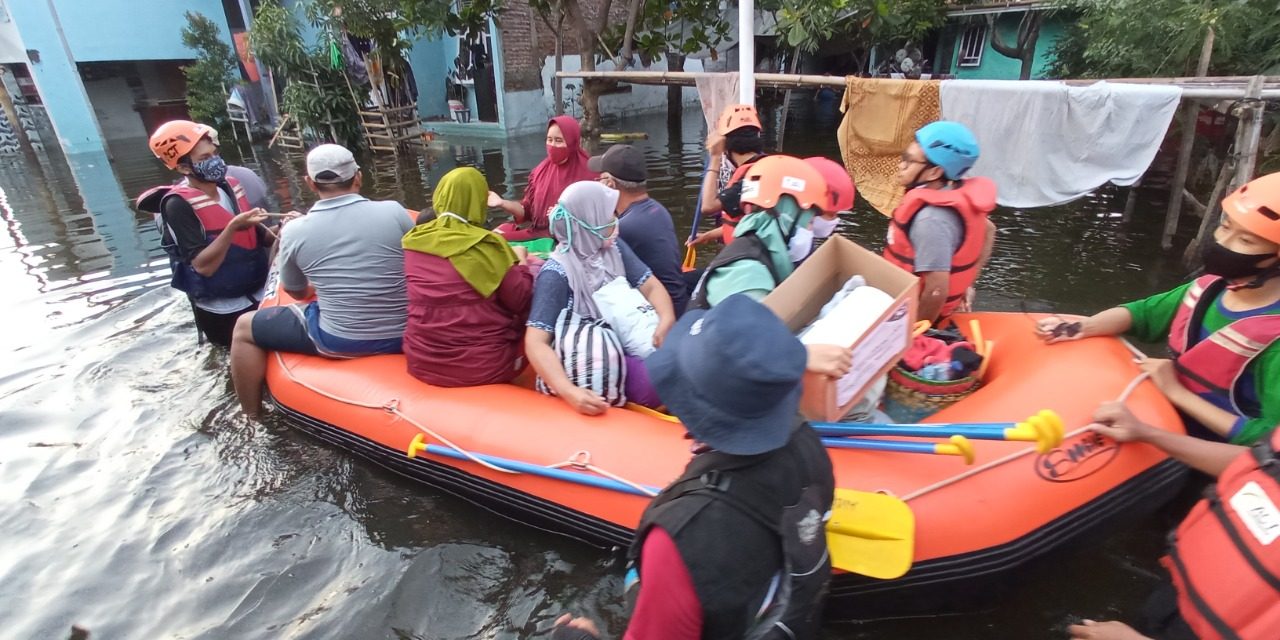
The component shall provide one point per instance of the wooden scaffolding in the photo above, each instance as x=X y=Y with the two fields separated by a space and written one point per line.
x=389 y=128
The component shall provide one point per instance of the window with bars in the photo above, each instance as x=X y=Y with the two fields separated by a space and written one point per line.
x=972 y=42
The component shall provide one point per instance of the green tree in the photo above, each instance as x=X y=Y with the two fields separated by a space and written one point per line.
x=861 y=24
x=1162 y=38
x=210 y=75
x=670 y=30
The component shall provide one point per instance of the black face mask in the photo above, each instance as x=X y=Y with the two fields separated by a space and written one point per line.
x=1232 y=265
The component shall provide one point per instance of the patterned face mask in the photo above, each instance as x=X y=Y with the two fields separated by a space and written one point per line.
x=211 y=169
x=561 y=213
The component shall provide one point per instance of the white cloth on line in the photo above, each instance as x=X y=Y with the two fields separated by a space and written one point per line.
x=1046 y=143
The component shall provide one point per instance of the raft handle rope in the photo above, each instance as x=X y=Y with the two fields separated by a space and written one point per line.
x=1124 y=396
x=579 y=460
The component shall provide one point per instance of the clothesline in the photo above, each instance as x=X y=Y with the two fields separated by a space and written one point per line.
x=1208 y=88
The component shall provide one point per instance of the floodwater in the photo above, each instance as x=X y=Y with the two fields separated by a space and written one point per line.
x=136 y=504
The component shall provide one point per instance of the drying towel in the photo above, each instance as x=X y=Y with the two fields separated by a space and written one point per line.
x=1045 y=143
x=880 y=120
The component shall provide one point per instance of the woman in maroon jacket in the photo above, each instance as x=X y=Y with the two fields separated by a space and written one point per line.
x=468 y=291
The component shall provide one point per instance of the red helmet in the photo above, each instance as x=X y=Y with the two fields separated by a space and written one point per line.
x=771 y=177
x=840 y=189
x=176 y=138
x=737 y=116
x=1256 y=207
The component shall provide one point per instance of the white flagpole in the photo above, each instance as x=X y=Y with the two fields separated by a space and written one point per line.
x=746 y=52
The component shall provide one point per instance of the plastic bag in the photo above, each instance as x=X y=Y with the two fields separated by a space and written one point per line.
x=629 y=314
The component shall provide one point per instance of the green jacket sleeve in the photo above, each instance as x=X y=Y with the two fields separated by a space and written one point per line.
x=1153 y=316
x=1266 y=376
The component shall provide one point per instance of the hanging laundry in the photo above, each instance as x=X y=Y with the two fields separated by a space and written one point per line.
x=716 y=91
x=880 y=118
x=1046 y=143
x=354 y=61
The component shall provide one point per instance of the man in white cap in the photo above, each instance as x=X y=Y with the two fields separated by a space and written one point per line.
x=346 y=252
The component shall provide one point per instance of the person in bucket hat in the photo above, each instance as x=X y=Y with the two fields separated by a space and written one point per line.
x=759 y=477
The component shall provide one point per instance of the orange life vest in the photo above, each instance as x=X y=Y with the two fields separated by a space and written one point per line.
x=973 y=201
x=1225 y=556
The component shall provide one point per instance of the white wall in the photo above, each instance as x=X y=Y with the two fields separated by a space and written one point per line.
x=525 y=111
x=641 y=98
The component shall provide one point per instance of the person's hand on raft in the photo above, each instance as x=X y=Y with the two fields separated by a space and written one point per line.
x=829 y=359
x=568 y=627
x=1115 y=421
x=586 y=401
x=1162 y=374
x=1110 y=630
x=1060 y=328
x=704 y=237
x=494 y=201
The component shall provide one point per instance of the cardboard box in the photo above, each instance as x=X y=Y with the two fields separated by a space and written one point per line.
x=801 y=296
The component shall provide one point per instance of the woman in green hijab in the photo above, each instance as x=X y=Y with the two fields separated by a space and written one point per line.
x=469 y=292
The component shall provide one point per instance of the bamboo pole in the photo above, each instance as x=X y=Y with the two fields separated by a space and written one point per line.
x=1191 y=109
x=1211 y=213
x=1207 y=90
x=1131 y=200
x=1248 y=135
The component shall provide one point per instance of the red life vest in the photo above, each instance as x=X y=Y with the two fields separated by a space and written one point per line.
x=973 y=201
x=245 y=267
x=1214 y=365
x=1225 y=556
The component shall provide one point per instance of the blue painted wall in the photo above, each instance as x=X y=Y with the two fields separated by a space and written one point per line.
x=57 y=78
x=99 y=30
x=430 y=61
x=997 y=67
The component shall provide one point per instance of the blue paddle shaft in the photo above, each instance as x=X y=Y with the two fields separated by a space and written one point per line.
x=545 y=472
x=968 y=431
x=880 y=445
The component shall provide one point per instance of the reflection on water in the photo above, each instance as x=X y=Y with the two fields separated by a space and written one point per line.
x=139 y=506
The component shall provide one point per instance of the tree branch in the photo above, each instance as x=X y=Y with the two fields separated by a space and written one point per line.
x=633 y=13
x=999 y=45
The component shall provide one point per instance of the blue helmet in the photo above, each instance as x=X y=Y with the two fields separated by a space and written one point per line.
x=949 y=145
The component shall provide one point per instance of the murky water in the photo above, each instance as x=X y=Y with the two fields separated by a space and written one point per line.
x=137 y=505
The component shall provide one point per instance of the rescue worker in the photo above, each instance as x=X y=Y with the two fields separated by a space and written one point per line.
x=1224 y=558
x=217 y=248
x=734 y=547
x=940 y=230
x=736 y=143
x=1223 y=328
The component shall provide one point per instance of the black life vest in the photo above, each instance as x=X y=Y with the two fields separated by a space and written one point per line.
x=751 y=531
x=747 y=247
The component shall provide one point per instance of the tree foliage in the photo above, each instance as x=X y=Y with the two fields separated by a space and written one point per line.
x=1162 y=38
x=862 y=24
x=212 y=72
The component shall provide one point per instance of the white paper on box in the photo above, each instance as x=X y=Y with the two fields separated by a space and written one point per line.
x=883 y=344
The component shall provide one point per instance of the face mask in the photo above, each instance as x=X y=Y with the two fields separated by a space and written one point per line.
x=1221 y=261
x=211 y=169
x=800 y=245
x=823 y=228
x=558 y=155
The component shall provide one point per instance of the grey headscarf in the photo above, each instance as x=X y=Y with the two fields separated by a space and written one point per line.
x=584 y=226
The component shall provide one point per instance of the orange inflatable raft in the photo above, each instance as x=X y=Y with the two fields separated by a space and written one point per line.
x=975 y=524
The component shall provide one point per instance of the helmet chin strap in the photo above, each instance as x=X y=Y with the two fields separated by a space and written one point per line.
x=1270 y=272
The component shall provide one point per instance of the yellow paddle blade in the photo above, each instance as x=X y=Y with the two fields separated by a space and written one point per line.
x=871 y=534
x=690 y=258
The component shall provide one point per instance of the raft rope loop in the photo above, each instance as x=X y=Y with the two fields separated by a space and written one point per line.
x=579 y=460
x=1124 y=396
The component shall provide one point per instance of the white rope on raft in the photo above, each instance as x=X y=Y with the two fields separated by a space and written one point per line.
x=1124 y=396
x=581 y=459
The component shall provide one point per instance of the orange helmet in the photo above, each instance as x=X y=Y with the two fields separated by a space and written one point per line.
x=176 y=138
x=1256 y=207
x=770 y=177
x=737 y=116
x=840 y=189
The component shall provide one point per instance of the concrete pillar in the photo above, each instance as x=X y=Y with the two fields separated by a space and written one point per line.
x=56 y=76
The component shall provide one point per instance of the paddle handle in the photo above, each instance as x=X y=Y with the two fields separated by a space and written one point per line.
x=541 y=471
x=955 y=446
x=975 y=433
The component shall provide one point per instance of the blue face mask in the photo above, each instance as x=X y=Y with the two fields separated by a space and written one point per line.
x=211 y=169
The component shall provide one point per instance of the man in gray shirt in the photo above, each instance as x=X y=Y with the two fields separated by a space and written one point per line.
x=346 y=252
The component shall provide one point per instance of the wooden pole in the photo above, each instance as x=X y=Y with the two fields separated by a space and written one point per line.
x=1131 y=200
x=1248 y=134
x=11 y=113
x=1209 y=222
x=1190 y=111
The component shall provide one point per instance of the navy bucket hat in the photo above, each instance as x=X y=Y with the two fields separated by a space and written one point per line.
x=732 y=375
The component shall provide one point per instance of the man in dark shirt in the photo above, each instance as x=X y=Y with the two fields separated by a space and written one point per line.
x=644 y=224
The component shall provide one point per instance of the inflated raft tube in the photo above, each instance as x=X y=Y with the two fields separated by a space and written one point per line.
x=975 y=525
